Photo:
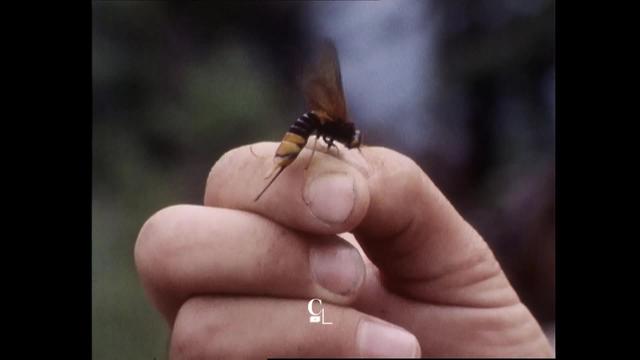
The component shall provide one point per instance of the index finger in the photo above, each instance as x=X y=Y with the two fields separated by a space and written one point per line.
x=403 y=222
x=331 y=196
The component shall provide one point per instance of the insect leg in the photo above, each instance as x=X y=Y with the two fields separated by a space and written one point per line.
x=313 y=151
x=330 y=143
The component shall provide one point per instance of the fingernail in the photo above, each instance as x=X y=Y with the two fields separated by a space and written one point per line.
x=331 y=197
x=382 y=340
x=339 y=269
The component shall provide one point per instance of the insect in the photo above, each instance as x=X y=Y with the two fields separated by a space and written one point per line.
x=327 y=118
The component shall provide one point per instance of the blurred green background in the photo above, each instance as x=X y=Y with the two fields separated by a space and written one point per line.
x=466 y=88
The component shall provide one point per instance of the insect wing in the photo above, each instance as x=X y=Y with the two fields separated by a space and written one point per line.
x=322 y=84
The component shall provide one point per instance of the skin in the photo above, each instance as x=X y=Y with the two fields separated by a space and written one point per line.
x=399 y=271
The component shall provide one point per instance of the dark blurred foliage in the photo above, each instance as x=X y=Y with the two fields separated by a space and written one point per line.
x=499 y=55
x=175 y=85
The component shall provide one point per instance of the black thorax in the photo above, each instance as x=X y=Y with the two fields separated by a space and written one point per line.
x=338 y=130
x=308 y=122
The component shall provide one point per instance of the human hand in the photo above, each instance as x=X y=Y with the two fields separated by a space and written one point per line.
x=233 y=277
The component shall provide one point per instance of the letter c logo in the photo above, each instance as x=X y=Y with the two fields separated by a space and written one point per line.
x=316 y=317
x=310 y=307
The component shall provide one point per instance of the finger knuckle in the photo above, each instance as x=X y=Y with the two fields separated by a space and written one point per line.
x=400 y=170
x=196 y=331
x=155 y=244
x=393 y=162
x=216 y=177
x=229 y=157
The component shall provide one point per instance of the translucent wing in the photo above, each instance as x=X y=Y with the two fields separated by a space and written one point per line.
x=322 y=84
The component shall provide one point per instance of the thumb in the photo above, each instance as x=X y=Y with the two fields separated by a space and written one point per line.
x=422 y=246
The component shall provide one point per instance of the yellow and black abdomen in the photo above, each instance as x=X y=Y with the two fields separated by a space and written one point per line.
x=291 y=145
x=296 y=138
